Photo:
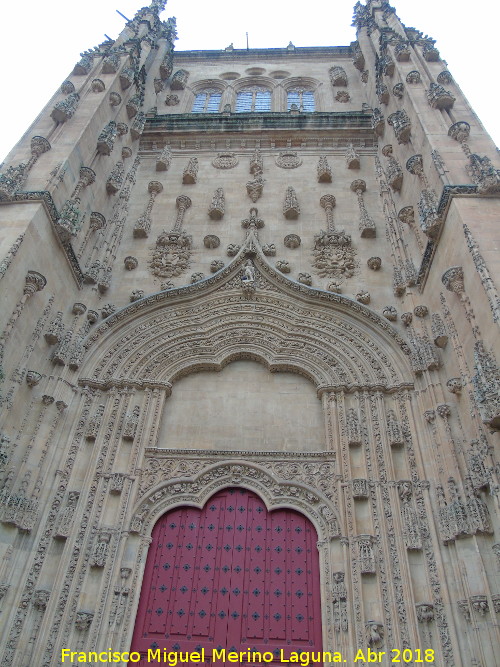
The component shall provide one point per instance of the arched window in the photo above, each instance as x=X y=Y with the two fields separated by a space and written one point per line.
x=208 y=101
x=303 y=99
x=253 y=98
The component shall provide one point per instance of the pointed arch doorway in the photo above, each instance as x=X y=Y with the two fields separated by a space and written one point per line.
x=231 y=576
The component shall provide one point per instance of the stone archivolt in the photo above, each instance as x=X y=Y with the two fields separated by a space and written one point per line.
x=334 y=341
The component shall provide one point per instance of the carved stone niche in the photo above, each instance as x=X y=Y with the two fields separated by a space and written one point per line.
x=360 y=489
x=164 y=160
x=353 y=428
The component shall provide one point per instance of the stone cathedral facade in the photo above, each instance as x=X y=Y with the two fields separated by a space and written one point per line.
x=250 y=382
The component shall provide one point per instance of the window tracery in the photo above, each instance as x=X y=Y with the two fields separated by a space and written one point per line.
x=302 y=98
x=253 y=99
x=207 y=101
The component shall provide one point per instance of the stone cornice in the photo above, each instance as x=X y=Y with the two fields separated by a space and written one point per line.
x=257 y=54
x=269 y=121
x=44 y=197
x=448 y=193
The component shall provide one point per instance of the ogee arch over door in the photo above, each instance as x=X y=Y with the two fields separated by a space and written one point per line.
x=232 y=576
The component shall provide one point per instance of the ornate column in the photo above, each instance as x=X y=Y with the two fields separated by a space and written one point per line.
x=143 y=225
x=366 y=224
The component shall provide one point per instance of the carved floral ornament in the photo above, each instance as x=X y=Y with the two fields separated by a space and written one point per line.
x=353 y=346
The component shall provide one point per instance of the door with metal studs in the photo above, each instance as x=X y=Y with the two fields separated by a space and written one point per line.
x=231 y=576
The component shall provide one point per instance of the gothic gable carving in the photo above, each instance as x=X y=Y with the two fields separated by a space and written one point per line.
x=334 y=341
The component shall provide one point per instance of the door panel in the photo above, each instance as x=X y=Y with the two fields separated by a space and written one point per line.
x=231 y=576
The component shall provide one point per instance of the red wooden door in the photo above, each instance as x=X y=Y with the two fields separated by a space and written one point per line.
x=232 y=576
